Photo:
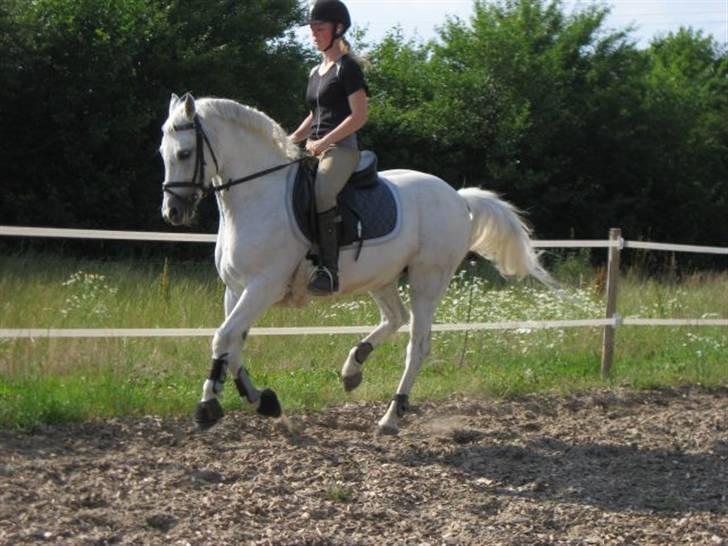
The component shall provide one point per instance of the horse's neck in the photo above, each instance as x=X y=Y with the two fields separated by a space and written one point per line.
x=247 y=154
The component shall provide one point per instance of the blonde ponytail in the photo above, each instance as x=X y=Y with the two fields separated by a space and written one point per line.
x=345 y=48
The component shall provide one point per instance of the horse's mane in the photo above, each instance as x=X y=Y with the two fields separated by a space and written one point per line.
x=250 y=118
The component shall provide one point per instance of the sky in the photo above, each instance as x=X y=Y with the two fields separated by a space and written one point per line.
x=419 y=18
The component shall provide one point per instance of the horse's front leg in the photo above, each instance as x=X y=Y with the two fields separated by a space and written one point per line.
x=227 y=345
x=245 y=386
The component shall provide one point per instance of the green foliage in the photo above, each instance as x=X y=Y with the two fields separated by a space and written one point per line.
x=569 y=121
x=337 y=492
x=687 y=104
x=86 y=85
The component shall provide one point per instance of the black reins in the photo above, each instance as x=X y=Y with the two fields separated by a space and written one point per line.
x=198 y=177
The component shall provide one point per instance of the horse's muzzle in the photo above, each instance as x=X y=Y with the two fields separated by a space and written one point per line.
x=177 y=212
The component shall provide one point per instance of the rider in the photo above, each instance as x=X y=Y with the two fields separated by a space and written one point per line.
x=338 y=104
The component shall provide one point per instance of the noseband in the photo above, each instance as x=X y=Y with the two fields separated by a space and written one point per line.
x=198 y=177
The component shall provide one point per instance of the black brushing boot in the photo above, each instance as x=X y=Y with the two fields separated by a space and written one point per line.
x=325 y=280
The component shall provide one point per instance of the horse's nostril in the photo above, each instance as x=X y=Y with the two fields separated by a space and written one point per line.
x=171 y=215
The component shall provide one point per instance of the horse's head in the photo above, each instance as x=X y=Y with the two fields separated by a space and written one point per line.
x=186 y=152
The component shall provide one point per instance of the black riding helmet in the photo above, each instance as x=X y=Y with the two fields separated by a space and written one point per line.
x=330 y=11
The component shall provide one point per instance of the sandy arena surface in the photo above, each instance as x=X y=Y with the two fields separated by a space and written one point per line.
x=616 y=467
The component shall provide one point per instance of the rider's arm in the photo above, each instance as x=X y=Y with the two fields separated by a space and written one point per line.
x=303 y=130
x=359 y=106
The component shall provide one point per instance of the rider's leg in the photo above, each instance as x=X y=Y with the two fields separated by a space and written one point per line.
x=335 y=167
x=325 y=279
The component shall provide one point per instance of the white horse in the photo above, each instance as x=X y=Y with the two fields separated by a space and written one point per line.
x=261 y=256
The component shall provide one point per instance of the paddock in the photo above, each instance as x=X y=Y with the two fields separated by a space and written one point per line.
x=611 y=467
x=606 y=467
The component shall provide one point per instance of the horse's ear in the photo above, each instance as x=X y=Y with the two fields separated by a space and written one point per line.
x=189 y=106
x=173 y=102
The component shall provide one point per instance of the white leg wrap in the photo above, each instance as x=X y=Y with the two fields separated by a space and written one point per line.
x=351 y=367
x=208 y=390
x=389 y=424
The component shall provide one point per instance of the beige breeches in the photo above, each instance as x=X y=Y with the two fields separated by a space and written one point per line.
x=336 y=165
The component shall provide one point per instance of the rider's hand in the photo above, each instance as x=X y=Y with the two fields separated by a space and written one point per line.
x=317 y=147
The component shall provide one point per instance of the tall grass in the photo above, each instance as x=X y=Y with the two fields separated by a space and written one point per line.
x=52 y=380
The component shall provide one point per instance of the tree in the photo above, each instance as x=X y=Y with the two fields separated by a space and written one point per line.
x=502 y=100
x=570 y=122
x=687 y=90
x=86 y=87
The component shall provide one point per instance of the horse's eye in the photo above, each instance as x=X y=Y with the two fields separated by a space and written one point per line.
x=184 y=154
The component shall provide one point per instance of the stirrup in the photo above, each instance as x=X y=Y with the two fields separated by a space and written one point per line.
x=323 y=282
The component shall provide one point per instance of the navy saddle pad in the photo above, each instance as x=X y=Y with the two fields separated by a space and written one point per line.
x=366 y=204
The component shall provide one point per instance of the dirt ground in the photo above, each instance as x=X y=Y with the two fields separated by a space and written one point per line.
x=604 y=468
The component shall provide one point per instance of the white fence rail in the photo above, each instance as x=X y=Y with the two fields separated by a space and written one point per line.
x=19 y=231
x=36 y=333
x=615 y=244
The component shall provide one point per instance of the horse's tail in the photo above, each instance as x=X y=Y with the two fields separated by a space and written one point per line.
x=501 y=235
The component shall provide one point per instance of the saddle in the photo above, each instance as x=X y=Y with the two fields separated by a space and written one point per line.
x=367 y=204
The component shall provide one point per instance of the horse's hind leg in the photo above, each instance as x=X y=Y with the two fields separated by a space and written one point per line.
x=393 y=315
x=427 y=289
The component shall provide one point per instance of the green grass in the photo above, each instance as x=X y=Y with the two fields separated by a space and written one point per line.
x=57 y=380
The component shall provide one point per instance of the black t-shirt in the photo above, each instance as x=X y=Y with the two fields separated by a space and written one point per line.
x=327 y=96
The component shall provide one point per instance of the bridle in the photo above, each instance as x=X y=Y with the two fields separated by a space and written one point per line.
x=198 y=176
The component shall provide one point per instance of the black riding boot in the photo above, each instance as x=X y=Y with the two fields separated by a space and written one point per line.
x=325 y=279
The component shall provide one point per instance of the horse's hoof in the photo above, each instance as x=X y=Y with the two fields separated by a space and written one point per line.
x=208 y=413
x=387 y=430
x=352 y=381
x=269 y=405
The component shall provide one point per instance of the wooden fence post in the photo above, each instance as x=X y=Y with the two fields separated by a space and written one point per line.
x=615 y=235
